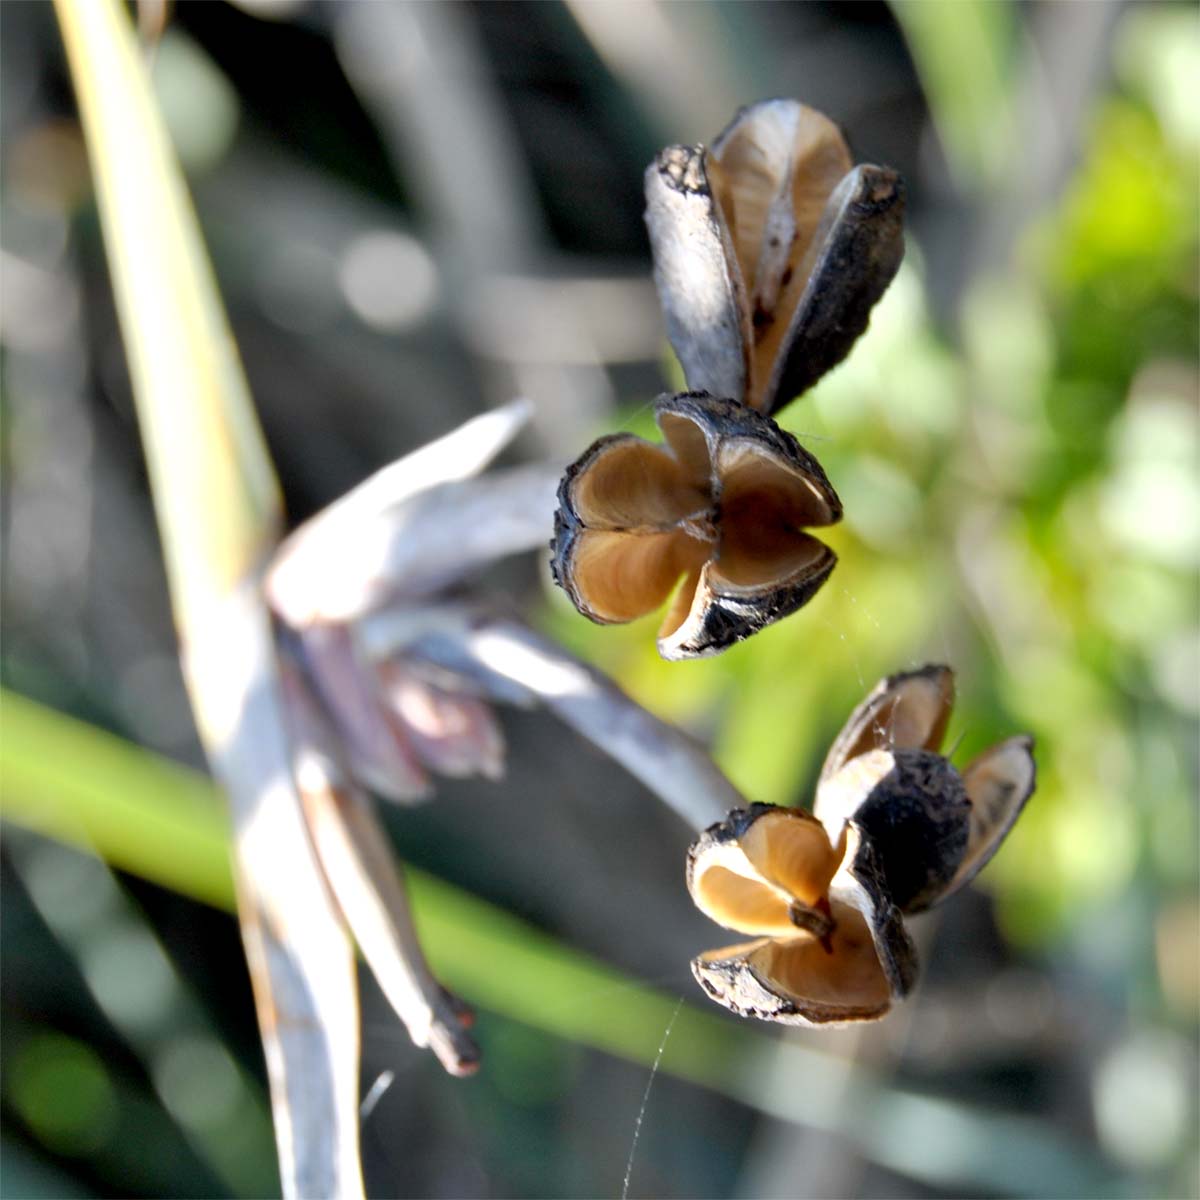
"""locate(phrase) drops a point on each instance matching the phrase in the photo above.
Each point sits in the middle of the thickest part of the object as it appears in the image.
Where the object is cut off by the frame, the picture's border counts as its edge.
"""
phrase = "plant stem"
(514, 664)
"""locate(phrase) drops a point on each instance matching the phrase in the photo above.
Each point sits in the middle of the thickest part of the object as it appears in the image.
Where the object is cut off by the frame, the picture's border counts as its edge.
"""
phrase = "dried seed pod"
(770, 250)
(835, 949)
(909, 711)
(895, 829)
(912, 807)
(764, 870)
(724, 505)
(998, 782)
(933, 828)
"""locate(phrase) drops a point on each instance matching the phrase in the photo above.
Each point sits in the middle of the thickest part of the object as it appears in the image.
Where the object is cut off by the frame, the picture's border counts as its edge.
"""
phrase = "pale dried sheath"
(357, 861)
(359, 864)
(388, 540)
(300, 954)
(219, 515)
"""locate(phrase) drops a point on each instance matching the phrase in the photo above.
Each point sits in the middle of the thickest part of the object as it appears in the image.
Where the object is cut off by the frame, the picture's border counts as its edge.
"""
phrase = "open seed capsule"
(764, 870)
(998, 782)
(723, 505)
(908, 711)
(770, 250)
(832, 947)
(934, 828)
(912, 807)
(895, 829)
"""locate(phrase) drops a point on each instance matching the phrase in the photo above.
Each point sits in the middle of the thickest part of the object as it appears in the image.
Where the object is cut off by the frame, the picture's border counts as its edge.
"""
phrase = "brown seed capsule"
(724, 505)
(895, 829)
(909, 711)
(770, 250)
(934, 829)
(764, 870)
(998, 782)
(912, 806)
(833, 948)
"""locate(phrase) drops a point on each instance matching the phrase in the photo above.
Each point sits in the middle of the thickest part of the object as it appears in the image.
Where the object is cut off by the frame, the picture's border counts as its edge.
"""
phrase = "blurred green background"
(415, 211)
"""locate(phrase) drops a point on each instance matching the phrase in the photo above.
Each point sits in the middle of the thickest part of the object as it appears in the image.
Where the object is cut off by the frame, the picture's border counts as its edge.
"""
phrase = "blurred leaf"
(143, 809)
(198, 103)
(963, 52)
(63, 1091)
(1157, 52)
(1129, 205)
